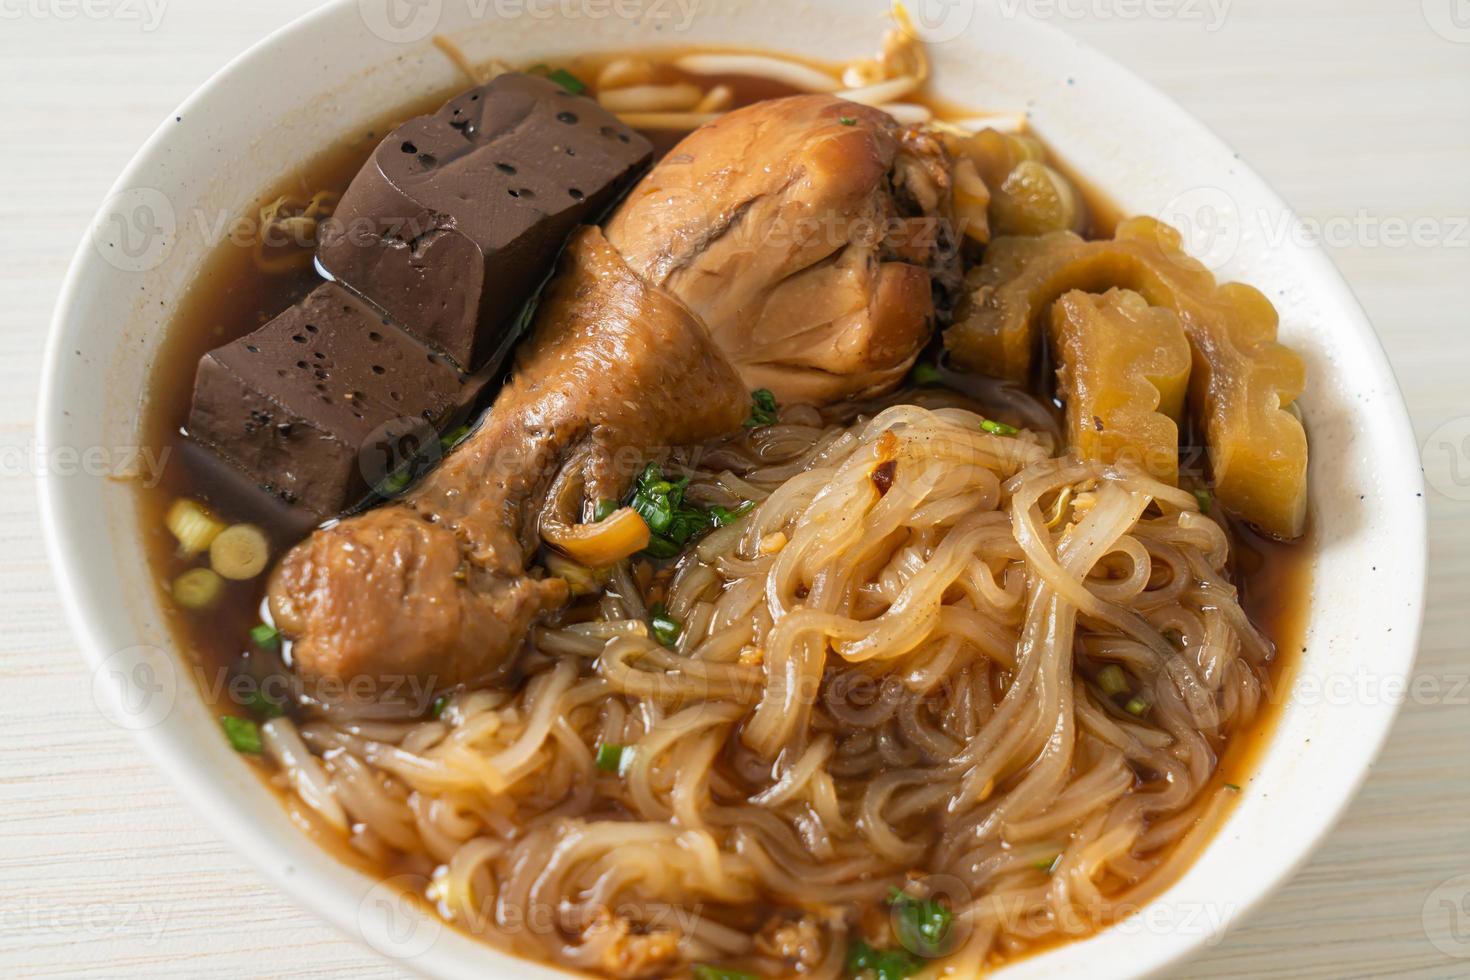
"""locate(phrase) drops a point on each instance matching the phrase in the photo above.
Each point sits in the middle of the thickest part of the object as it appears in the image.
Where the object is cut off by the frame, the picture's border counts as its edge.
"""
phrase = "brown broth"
(231, 297)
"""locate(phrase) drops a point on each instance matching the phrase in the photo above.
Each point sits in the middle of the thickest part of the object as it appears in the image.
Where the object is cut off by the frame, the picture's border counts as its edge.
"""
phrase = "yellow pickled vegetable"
(197, 589)
(1123, 368)
(1243, 382)
(240, 552)
(193, 524)
(602, 543)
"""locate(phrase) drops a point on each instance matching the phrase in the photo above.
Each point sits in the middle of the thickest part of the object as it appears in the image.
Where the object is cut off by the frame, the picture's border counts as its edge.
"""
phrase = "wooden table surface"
(1358, 111)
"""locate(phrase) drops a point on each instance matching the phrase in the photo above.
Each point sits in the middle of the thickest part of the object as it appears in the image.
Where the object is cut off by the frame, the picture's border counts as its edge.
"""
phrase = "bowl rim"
(335, 901)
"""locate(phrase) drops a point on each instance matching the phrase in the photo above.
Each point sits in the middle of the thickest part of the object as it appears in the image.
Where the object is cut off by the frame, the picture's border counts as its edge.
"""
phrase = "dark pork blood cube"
(324, 401)
(456, 219)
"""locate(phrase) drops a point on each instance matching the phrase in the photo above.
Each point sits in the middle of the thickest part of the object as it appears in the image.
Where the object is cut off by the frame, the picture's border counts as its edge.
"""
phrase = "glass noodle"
(887, 675)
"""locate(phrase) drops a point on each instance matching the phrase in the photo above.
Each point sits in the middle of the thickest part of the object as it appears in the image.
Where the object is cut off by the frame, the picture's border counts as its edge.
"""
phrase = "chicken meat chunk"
(813, 236)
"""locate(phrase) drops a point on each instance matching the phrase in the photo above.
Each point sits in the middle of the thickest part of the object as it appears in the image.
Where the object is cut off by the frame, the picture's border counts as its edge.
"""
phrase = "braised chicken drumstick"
(797, 244)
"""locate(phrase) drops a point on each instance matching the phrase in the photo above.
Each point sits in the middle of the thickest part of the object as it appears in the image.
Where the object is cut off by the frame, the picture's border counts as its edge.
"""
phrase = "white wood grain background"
(1357, 110)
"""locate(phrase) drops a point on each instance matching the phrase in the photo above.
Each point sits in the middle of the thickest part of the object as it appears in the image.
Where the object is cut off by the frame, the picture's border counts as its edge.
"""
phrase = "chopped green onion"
(560, 76)
(1047, 864)
(672, 523)
(925, 374)
(244, 734)
(654, 498)
(847, 120)
(763, 409)
(440, 703)
(198, 589)
(258, 702)
(922, 925)
(1232, 787)
(568, 81)
(605, 508)
(193, 524)
(666, 628)
(1203, 496)
(265, 636)
(240, 552)
(661, 548)
(888, 964)
(1136, 706)
(396, 482)
(705, 972)
(998, 428)
(1112, 680)
(721, 516)
(453, 437)
(611, 758)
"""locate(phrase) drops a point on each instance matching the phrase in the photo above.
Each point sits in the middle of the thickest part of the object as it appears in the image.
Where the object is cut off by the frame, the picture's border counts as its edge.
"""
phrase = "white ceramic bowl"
(335, 70)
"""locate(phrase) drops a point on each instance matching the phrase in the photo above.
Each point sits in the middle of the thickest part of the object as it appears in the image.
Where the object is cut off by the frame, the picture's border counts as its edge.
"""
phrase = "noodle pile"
(898, 670)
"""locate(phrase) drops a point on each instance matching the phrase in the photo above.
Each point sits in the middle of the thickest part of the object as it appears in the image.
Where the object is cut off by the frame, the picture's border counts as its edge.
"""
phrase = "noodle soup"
(894, 678)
